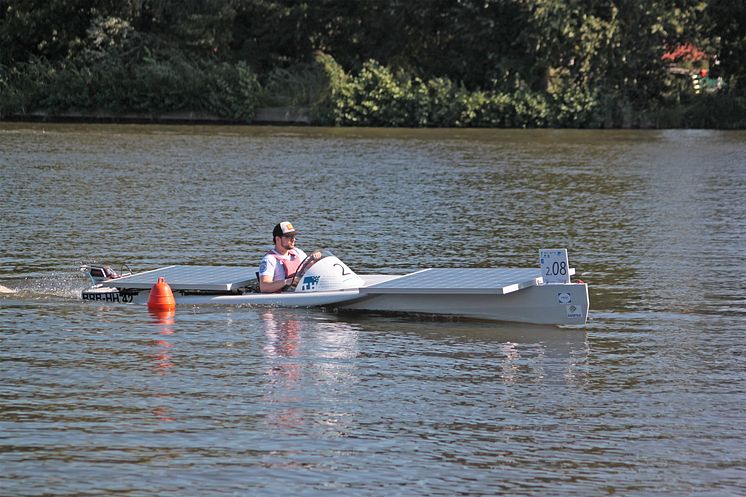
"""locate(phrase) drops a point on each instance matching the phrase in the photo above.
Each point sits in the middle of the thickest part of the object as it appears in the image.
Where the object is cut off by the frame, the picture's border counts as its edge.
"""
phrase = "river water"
(647, 399)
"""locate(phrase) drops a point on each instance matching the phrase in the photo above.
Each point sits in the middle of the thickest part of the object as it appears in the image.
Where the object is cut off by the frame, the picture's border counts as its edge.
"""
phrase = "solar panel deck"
(460, 280)
(206, 278)
(440, 280)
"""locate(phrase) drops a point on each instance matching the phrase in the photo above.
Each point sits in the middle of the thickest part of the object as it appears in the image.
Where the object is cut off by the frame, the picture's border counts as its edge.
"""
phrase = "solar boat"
(540, 295)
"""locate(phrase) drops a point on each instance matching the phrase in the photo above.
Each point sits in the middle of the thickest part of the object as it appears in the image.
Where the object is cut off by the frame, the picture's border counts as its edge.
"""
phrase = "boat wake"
(53, 285)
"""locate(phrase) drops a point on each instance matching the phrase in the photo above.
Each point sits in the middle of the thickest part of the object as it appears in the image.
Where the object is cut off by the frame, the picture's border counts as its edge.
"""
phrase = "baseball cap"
(283, 229)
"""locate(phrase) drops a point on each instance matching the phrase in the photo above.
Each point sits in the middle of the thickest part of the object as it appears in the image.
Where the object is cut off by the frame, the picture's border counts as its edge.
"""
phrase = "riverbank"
(327, 95)
(176, 90)
(263, 115)
(718, 112)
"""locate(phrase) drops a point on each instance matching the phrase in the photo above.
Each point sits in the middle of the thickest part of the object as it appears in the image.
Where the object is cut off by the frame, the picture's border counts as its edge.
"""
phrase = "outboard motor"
(101, 272)
(327, 274)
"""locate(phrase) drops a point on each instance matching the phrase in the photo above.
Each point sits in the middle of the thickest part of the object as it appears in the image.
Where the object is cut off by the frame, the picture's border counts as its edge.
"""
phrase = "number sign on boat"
(554, 265)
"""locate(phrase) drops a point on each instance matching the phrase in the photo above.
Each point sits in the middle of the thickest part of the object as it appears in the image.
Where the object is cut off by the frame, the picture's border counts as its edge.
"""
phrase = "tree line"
(489, 63)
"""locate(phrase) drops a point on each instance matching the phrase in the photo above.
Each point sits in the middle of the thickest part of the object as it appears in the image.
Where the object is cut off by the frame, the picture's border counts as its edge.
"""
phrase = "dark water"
(647, 400)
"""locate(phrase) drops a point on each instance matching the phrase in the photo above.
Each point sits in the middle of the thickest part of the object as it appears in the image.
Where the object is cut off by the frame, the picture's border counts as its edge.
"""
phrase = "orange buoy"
(161, 297)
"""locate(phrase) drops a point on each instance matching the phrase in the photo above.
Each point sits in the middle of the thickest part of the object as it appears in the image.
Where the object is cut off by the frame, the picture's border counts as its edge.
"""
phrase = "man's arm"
(266, 285)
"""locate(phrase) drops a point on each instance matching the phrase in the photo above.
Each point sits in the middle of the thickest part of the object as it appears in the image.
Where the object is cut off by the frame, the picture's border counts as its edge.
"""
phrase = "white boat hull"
(316, 299)
(538, 304)
(560, 304)
(502, 294)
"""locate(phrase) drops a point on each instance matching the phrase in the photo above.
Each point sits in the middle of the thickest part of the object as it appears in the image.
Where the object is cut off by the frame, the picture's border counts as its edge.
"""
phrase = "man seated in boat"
(280, 265)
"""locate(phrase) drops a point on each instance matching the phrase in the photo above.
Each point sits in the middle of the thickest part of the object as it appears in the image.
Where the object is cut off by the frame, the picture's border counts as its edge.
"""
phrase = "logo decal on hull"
(309, 283)
(574, 311)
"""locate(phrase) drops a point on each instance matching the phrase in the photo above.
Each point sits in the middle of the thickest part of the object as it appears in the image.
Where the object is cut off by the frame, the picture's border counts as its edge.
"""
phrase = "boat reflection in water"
(510, 353)
(306, 362)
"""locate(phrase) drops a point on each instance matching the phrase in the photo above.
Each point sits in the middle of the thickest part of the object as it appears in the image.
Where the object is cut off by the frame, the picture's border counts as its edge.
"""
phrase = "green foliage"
(299, 86)
(152, 86)
(725, 21)
(575, 107)
(11, 97)
(376, 96)
(715, 111)
(334, 80)
(516, 63)
(233, 91)
(159, 86)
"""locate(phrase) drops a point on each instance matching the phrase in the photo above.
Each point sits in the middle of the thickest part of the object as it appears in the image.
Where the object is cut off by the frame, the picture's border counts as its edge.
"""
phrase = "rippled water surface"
(648, 399)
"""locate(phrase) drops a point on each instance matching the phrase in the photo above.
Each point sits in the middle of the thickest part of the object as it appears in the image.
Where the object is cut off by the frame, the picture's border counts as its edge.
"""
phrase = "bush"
(67, 88)
(233, 91)
(154, 84)
(716, 111)
(11, 100)
(334, 80)
(574, 107)
(445, 103)
(303, 85)
(156, 87)
(713, 111)
(22, 86)
(376, 96)
(164, 81)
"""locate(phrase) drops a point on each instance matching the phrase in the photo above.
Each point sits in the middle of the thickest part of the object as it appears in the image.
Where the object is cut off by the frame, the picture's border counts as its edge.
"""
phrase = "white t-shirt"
(270, 265)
